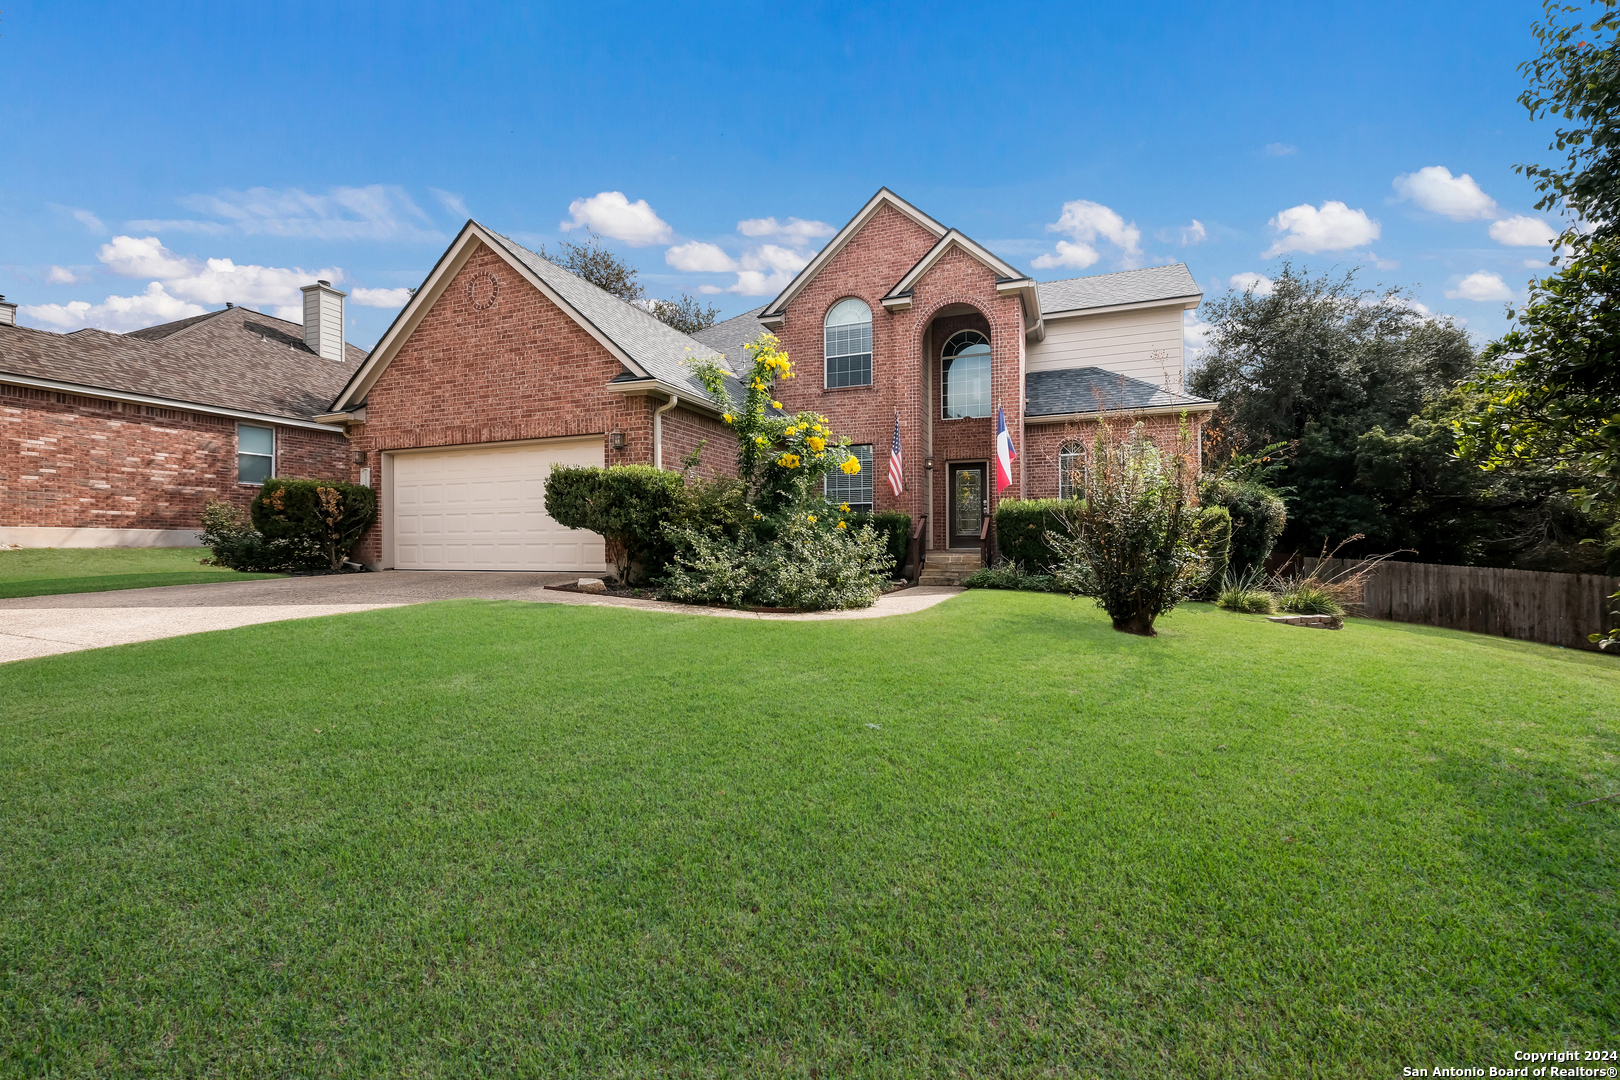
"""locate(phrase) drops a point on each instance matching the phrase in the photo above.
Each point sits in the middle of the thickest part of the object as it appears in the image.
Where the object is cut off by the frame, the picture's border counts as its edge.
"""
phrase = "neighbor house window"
(1071, 470)
(255, 454)
(849, 344)
(855, 490)
(965, 375)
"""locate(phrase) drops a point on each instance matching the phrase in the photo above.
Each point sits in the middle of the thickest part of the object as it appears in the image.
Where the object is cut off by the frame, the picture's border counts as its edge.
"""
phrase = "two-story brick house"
(503, 364)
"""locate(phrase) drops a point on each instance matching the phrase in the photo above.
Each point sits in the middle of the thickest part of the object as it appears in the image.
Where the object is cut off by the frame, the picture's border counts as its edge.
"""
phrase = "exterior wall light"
(616, 440)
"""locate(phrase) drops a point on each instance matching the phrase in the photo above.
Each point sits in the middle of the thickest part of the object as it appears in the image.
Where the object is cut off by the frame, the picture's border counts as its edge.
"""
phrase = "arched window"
(849, 344)
(965, 375)
(1071, 470)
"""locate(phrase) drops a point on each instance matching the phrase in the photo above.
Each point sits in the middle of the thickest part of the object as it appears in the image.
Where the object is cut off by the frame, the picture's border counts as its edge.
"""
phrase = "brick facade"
(1044, 442)
(68, 461)
(518, 369)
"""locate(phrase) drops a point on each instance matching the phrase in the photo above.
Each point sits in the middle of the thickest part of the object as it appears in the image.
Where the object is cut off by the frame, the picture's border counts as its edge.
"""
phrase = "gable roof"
(772, 315)
(1149, 284)
(235, 359)
(1005, 271)
(1090, 390)
(728, 338)
(650, 350)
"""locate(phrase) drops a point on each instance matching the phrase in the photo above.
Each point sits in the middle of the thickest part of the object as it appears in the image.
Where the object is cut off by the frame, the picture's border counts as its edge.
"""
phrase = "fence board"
(1554, 609)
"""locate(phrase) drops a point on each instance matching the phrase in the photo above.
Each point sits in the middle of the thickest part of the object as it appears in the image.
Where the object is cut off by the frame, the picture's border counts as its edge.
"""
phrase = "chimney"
(323, 320)
(8, 313)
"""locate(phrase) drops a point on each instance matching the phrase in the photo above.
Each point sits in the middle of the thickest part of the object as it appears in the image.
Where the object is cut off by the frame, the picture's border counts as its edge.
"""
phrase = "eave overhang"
(87, 390)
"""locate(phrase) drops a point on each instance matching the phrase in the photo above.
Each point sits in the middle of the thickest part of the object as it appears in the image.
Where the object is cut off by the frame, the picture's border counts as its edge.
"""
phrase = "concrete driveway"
(42, 625)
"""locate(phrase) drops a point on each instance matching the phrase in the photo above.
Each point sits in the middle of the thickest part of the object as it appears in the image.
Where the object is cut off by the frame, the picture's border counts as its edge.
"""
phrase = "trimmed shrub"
(1215, 528)
(329, 514)
(1022, 526)
(894, 526)
(627, 505)
(237, 545)
(1009, 575)
(807, 566)
(1258, 517)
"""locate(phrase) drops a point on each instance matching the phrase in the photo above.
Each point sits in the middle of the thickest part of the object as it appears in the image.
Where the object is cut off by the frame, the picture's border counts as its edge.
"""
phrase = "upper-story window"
(849, 344)
(965, 375)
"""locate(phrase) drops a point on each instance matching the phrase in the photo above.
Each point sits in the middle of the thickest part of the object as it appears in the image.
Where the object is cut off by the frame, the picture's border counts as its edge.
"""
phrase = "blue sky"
(158, 160)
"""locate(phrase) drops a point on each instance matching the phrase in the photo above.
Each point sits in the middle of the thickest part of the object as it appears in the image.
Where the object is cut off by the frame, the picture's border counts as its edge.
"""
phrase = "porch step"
(949, 567)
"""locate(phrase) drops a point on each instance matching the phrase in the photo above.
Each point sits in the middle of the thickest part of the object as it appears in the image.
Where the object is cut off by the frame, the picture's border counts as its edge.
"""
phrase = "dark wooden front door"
(969, 504)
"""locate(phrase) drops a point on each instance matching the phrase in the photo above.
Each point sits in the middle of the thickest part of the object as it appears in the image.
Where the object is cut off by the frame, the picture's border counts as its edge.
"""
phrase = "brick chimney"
(323, 320)
(8, 313)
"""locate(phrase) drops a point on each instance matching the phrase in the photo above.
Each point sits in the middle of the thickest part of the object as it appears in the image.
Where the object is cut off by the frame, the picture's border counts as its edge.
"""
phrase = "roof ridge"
(1115, 273)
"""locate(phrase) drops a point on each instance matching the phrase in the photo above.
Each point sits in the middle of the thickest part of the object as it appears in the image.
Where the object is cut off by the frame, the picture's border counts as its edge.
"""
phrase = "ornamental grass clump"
(781, 543)
(1135, 542)
(1244, 593)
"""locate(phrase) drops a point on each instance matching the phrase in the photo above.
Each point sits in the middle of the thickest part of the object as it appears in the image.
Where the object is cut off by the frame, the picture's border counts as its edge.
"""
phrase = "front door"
(969, 504)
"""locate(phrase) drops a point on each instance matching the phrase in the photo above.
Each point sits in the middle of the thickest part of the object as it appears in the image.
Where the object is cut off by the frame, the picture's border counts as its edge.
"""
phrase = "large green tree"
(1318, 362)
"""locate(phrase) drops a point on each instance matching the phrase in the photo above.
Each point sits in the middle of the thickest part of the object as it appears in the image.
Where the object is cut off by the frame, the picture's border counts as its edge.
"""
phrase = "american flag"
(896, 462)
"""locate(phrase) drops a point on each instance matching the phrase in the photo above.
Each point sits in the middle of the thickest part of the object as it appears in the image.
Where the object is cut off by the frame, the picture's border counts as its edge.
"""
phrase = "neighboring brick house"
(503, 364)
(117, 440)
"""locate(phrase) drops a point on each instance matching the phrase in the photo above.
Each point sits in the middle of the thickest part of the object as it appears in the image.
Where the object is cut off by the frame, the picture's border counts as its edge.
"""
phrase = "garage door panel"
(484, 509)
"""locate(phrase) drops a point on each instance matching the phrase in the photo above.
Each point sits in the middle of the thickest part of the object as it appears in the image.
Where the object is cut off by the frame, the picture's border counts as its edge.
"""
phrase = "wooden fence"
(1555, 609)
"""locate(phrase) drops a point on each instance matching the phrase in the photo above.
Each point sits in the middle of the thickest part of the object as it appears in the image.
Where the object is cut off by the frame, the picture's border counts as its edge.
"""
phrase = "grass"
(991, 839)
(45, 571)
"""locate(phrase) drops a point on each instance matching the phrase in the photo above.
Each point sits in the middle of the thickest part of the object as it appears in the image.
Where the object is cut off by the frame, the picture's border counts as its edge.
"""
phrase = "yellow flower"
(817, 443)
(851, 465)
(761, 440)
(811, 518)
(841, 525)
(844, 507)
(728, 418)
(776, 404)
(788, 461)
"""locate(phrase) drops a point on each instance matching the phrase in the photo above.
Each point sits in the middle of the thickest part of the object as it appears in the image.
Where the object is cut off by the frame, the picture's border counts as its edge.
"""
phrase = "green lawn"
(991, 839)
(44, 571)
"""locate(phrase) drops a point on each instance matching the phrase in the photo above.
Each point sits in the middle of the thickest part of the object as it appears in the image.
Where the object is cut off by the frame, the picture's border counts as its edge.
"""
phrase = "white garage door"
(485, 509)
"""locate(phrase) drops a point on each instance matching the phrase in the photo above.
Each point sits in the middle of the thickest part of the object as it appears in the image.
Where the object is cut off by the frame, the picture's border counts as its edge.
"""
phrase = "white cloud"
(1194, 233)
(614, 216)
(1085, 222)
(62, 275)
(373, 212)
(772, 257)
(1280, 149)
(710, 290)
(1077, 256)
(383, 298)
(1383, 264)
(1334, 227)
(83, 217)
(1481, 285)
(795, 230)
(1409, 304)
(116, 313)
(1522, 231)
(145, 257)
(1194, 334)
(1433, 188)
(180, 225)
(1249, 281)
(698, 257)
(1535, 264)
(451, 202)
(757, 283)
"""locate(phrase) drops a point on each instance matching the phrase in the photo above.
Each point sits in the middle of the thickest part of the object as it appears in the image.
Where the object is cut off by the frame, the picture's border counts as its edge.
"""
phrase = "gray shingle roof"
(1125, 287)
(1095, 389)
(233, 359)
(659, 349)
(729, 337)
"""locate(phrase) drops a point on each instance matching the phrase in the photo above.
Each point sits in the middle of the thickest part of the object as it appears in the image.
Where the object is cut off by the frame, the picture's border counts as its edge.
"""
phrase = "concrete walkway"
(42, 625)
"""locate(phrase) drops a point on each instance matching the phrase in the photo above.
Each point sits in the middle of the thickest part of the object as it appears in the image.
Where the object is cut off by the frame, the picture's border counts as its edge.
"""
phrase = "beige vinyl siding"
(1143, 344)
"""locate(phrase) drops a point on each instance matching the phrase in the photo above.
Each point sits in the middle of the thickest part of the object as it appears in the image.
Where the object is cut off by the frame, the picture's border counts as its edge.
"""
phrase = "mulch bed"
(649, 594)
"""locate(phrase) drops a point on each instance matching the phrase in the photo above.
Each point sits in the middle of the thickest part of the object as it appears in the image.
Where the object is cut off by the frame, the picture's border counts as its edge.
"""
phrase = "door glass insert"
(967, 501)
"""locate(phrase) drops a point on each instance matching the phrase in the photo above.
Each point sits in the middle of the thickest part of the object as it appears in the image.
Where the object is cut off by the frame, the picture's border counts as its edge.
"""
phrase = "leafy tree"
(597, 265)
(1317, 363)
(686, 314)
(1577, 77)
(592, 261)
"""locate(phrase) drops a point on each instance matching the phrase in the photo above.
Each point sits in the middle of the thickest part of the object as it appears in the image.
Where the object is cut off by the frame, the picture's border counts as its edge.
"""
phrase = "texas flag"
(1006, 453)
